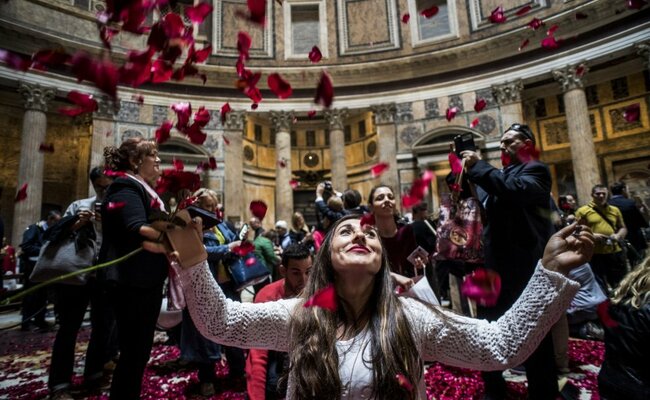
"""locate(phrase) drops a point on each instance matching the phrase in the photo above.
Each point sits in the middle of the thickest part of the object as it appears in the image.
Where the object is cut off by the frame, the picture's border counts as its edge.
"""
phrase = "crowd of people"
(382, 332)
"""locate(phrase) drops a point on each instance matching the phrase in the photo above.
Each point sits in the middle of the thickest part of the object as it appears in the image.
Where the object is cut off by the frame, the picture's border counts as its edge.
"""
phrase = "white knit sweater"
(451, 339)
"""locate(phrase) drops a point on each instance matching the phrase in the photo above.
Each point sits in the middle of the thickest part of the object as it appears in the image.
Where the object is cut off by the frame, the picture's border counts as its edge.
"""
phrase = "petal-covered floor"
(24, 360)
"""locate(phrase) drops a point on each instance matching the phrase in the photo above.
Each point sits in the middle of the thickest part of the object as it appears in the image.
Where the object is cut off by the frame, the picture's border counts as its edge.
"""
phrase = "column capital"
(571, 76)
(384, 113)
(36, 96)
(282, 120)
(107, 108)
(335, 117)
(235, 120)
(643, 51)
(508, 93)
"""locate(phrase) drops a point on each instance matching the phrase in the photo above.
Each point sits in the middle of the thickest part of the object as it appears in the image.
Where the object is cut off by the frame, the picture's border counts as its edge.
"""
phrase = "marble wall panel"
(226, 21)
(407, 134)
(354, 19)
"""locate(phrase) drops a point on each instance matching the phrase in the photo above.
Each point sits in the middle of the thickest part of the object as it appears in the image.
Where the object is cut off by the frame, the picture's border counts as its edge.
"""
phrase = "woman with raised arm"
(374, 344)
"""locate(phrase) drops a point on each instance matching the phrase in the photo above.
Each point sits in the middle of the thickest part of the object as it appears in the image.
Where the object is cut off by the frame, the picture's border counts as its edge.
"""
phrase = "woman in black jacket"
(137, 283)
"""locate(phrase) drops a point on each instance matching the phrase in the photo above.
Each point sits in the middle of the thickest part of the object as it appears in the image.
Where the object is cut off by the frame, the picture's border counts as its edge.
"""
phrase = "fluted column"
(335, 119)
(583, 151)
(508, 96)
(234, 168)
(282, 121)
(30, 170)
(387, 144)
(643, 50)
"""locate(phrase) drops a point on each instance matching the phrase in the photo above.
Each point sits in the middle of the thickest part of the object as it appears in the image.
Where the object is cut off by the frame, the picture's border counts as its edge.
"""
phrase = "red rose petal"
(455, 163)
(604, 315)
(161, 70)
(162, 133)
(243, 249)
(15, 61)
(183, 112)
(482, 286)
(429, 12)
(324, 91)
(324, 298)
(536, 23)
(311, 114)
(632, 113)
(257, 10)
(636, 4)
(367, 219)
(258, 208)
(113, 174)
(137, 70)
(225, 109)
(497, 16)
(244, 42)
(195, 134)
(550, 43)
(279, 86)
(21, 194)
(202, 117)
(552, 30)
(115, 205)
(404, 382)
(51, 58)
(479, 105)
(474, 123)
(226, 141)
(405, 18)
(419, 188)
(523, 10)
(254, 106)
(178, 164)
(198, 13)
(451, 113)
(315, 54)
(46, 148)
(524, 44)
(294, 183)
(282, 163)
(379, 169)
(85, 104)
(174, 181)
(250, 261)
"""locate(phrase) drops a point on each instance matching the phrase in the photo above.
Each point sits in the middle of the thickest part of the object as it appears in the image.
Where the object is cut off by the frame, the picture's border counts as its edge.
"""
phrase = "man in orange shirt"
(265, 367)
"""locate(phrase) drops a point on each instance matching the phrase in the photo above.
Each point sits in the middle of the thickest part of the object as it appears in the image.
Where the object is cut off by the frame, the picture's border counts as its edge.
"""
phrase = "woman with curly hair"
(374, 344)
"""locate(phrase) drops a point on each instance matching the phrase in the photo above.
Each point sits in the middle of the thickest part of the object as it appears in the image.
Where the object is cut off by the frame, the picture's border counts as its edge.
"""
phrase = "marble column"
(583, 151)
(335, 119)
(508, 96)
(30, 170)
(384, 115)
(84, 123)
(643, 50)
(282, 121)
(234, 166)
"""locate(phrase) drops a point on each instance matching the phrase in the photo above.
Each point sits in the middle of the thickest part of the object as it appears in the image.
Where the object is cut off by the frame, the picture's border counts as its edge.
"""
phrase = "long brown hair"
(314, 364)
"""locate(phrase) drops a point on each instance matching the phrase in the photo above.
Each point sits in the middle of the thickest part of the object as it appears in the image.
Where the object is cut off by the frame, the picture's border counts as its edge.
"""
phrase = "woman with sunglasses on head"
(374, 344)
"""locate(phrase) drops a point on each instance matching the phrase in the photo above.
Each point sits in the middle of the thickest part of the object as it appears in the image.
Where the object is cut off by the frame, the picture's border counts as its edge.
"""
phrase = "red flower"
(85, 104)
(379, 169)
(115, 205)
(324, 298)
(636, 4)
(524, 44)
(162, 133)
(198, 13)
(451, 113)
(404, 382)
(497, 16)
(455, 163)
(174, 181)
(632, 113)
(21, 194)
(482, 286)
(474, 123)
(258, 208)
(279, 86)
(523, 10)
(604, 315)
(225, 109)
(536, 23)
(15, 61)
(429, 12)
(243, 45)
(479, 105)
(405, 18)
(324, 91)
(315, 55)
(46, 148)
(244, 248)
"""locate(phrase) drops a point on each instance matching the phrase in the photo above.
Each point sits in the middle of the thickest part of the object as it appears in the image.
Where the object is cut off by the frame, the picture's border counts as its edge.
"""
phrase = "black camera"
(464, 142)
(327, 185)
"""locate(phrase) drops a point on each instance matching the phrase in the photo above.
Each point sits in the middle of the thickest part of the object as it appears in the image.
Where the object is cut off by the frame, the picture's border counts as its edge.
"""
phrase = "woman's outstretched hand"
(154, 236)
(570, 247)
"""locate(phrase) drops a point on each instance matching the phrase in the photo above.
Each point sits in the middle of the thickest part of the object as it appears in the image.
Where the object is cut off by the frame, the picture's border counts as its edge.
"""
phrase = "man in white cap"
(283, 234)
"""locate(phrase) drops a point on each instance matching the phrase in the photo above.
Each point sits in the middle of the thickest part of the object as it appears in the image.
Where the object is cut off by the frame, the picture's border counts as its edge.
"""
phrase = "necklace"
(347, 388)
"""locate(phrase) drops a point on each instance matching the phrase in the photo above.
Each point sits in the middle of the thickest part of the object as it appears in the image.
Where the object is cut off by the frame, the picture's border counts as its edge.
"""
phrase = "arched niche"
(181, 149)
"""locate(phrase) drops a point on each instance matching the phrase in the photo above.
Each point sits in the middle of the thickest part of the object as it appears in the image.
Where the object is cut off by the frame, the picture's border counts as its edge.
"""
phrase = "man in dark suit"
(633, 219)
(517, 202)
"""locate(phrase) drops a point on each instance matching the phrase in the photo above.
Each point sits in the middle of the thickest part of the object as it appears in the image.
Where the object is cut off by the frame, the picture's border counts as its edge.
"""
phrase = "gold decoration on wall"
(616, 124)
(555, 131)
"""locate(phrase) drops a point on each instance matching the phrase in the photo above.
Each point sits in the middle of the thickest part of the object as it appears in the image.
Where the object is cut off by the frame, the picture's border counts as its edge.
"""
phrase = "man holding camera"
(517, 203)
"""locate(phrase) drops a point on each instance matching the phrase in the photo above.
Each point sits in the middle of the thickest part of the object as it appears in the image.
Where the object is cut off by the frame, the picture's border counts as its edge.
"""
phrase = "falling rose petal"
(202, 117)
(474, 123)
(455, 163)
(244, 42)
(258, 208)
(497, 16)
(254, 94)
(636, 4)
(183, 112)
(161, 71)
(552, 29)
(294, 184)
(250, 261)
(257, 9)
(482, 286)
(51, 58)
(174, 181)
(550, 43)
(580, 15)
(115, 205)
(21, 194)
(178, 164)
(451, 113)
(324, 91)
(379, 169)
(46, 148)
(404, 382)
(524, 44)
(455, 187)
(536, 23)
(113, 174)
(405, 18)
(523, 10)
(138, 98)
(84, 102)
(324, 298)
(632, 113)
(195, 134)
(244, 249)
(226, 141)
(279, 86)
(528, 153)
(162, 133)
(15, 61)
(429, 12)
(212, 163)
(479, 105)
(198, 13)
(367, 219)
(311, 114)
(604, 315)
(282, 163)
(225, 109)
(254, 106)
(315, 55)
